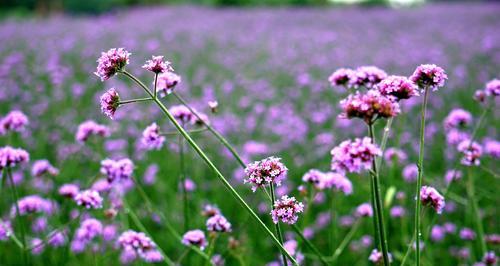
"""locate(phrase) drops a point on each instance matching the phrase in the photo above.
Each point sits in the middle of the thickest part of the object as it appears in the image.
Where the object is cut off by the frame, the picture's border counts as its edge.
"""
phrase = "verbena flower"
(151, 137)
(213, 106)
(15, 121)
(429, 196)
(5, 230)
(89, 229)
(111, 62)
(457, 118)
(210, 210)
(490, 258)
(492, 148)
(392, 155)
(471, 152)
(480, 96)
(286, 209)
(195, 238)
(368, 106)
(166, 82)
(377, 258)
(10, 157)
(157, 65)
(264, 172)
(452, 175)
(367, 76)
(493, 88)
(332, 180)
(467, 234)
(90, 199)
(341, 77)
(33, 204)
(364, 210)
(41, 167)
(69, 190)
(313, 177)
(429, 75)
(354, 155)
(140, 244)
(455, 136)
(56, 239)
(90, 128)
(437, 233)
(218, 223)
(398, 88)
(117, 170)
(110, 101)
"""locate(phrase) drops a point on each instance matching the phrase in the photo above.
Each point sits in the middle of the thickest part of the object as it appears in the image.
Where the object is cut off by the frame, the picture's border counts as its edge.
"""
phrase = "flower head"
(341, 77)
(457, 118)
(490, 258)
(264, 172)
(69, 190)
(368, 106)
(377, 258)
(430, 76)
(117, 170)
(10, 157)
(91, 128)
(467, 234)
(398, 87)
(166, 83)
(286, 209)
(471, 152)
(111, 62)
(392, 155)
(430, 196)
(90, 199)
(195, 238)
(493, 88)
(313, 177)
(332, 180)
(33, 204)
(42, 167)
(151, 137)
(110, 101)
(140, 244)
(218, 223)
(364, 210)
(354, 156)
(14, 121)
(157, 65)
(5, 230)
(492, 148)
(367, 76)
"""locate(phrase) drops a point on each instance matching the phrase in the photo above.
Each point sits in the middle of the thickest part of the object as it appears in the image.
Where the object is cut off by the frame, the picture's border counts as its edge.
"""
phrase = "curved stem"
(135, 100)
(420, 166)
(385, 137)
(19, 219)
(183, 184)
(309, 244)
(378, 203)
(173, 133)
(211, 247)
(210, 164)
(277, 225)
(346, 240)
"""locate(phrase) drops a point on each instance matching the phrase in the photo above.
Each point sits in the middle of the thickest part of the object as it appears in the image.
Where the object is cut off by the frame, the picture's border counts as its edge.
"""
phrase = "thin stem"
(277, 225)
(135, 101)
(309, 244)
(378, 204)
(420, 176)
(155, 85)
(346, 240)
(173, 133)
(211, 247)
(210, 164)
(183, 183)
(385, 137)
(472, 198)
(19, 219)
(376, 232)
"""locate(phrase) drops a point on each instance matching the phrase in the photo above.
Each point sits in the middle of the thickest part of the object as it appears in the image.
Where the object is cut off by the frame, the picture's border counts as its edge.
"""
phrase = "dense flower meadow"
(193, 136)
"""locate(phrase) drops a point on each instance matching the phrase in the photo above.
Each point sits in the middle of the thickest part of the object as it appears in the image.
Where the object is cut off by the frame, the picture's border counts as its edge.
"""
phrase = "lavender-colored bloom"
(151, 137)
(157, 65)
(452, 175)
(430, 76)
(450, 228)
(455, 136)
(395, 155)
(490, 258)
(149, 176)
(480, 96)
(5, 230)
(364, 210)
(336, 181)
(376, 257)
(286, 209)
(437, 233)
(90, 199)
(430, 196)
(14, 121)
(166, 83)
(471, 152)
(69, 190)
(493, 239)
(91, 128)
(111, 62)
(33, 204)
(313, 177)
(42, 167)
(291, 246)
(368, 106)
(141, 244)
(10, 157)
(264, 172)
(210, 210)
(398, 88)
(341, 77)
(367, 76)
(457, 118)
(493, 88)
(109, 232)
(467, 234)
(57, 239)
(354, 156)
(397, 211)
(492, 148)
(218, 223)
(38, 246)
(128, 255)
(410, 173)
(39, 224)
(89, 229)
(195, 238)
(110, 101)
(217, 260)
(213, 106)
(117, 170)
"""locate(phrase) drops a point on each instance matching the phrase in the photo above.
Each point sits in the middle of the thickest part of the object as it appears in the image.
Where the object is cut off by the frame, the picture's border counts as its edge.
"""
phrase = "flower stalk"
(19, 219)
(277, 225)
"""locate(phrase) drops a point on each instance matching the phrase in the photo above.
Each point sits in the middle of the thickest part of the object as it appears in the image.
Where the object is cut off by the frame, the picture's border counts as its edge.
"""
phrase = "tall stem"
(420, 166)
(472, 198)
(135, 100)
(155, 95)
(183, 183)
(309, 244)
(210, 164)
(19, 219)
(346, 240)
(277, 225)
(378, 203)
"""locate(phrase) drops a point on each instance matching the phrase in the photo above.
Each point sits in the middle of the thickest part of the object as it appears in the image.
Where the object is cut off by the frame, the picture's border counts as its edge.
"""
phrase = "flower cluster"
(91, 128)
(184, 116)
(41, 167)
(332, 180)
(10, 157)
(135, 244)
(367, 76)
(33, 204)
(157, 65)
(377, 258)
(354, 156)
(111, 62)
(397, 88)
(429, 75)
(341, 77)
(493, 88)
(395, 155)
(14, 121)
(364, 210)
(110, 101)
(368, 106)
(89, 229)
(218, 223)
(286, 209)
(69, 190)
(5, 230)
(264, 172)
(117, 170)
(471, 152)
(492, 148)
(314, 177)
(457, 118)
(195, 238)
(151, 137)
(430, 196)
(90, 199)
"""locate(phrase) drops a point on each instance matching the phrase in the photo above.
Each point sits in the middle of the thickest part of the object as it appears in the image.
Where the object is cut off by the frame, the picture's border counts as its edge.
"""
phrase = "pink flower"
(91, 128)
(457, 118)
(341, 77)
(213, 106)
(493, 88)
(430, 196)
(218, 223)
(151, 137)
(364, 210)
(471, 152)
(265, 172)
(368, 106)
(69, 190)
(157, 65)
(398, 87)
(111, 62)
(430, 76)
(139, 244)
(117, 170)
(42, 167)
(166, 83)
(195, 238)
(286, 209)
(10, 157)
(336, 181)
(14, 121)
(354, 156)
(367, 76)
(110, 101)
(90, 199)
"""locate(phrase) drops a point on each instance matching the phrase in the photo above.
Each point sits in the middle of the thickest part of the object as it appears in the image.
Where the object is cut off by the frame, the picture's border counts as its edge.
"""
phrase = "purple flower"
(467, 234)
(117, 170)
(157, 65)
(264, 172)
(480, 96)
(141, 244)
(111, 62)
(88, 230)
(90, 199)
(69, 190)
(337, 181)
(354, 156)
(395, 155)
(364, 210)
(471, 152)
(210, 210)
(33, 204)
(341, 77)
(367, 76)
(398, 87)
(14, 121)
(41, 167)
(91, 128)
(492, 148)
(57, 239)
(5, 230)
(493, 88)
(10, 157)
(410, 173)
(38, 246)
(286, 209)
(166, 83)
(397, 211)
(490, 258)
(368, 106)
(457, 118)
(455, 136)
(452, 175)
(430, 76)
(430, 196)
(151, 137)
(110, 101)
(313, 177)
(377, 258)
(149, 176)
(218, 223)
(195, 238)
(438, 233)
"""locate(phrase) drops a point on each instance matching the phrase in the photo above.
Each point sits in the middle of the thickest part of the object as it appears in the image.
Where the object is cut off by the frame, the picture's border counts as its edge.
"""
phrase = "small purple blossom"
(33, 204)
(69, 190)
(492, 148)
(377, 258)
(437, 233)
(140, 244)
(41, 167)
(364, 210)
(14, 121)
(397, 211)
(10, 157)
(430, 76)
(430, 196)
(157, 65)
(410, 173)
(457, 118)
(286, 209)
(117, 170)
(467, 234)
(471, 152)
(151, 137)
(354, 156)
(264, 172)
(166, 83)
(493, 88)
(367, 76)
(218, 223)
(340, 182)
(90, 199)
(91, 128)
(341, 77)
(195, 238)
(398, 87)
(110, 101)
(368, 106)
(395, 155)
(111, 62)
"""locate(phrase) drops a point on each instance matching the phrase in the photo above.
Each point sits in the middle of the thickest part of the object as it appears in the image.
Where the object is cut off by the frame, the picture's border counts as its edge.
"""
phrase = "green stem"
(472, 198)
(183, 183)
(155, 85)
(135, 100)
(420, 166)
(346, 241)
(19, 219)
(173, 133)
(211, 247)
(378, 203)
(210, 164)
(385, 137)
(376, 232)
(309, 244)
(277, 225)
